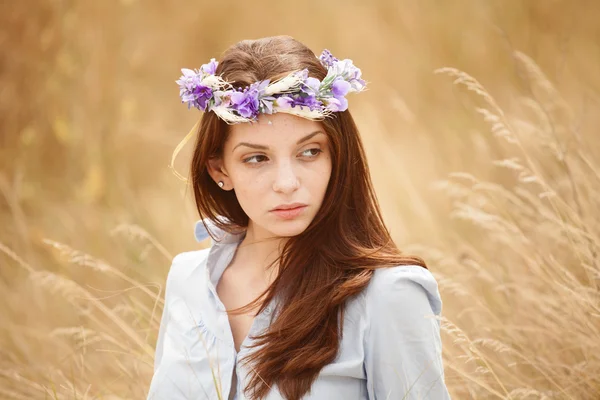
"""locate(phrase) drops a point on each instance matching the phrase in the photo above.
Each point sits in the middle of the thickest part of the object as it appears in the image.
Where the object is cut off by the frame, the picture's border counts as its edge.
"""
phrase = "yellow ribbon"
(178, 149)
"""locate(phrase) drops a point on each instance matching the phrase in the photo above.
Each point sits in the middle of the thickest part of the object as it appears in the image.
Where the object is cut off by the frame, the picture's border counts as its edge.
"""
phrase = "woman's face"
(270, 165)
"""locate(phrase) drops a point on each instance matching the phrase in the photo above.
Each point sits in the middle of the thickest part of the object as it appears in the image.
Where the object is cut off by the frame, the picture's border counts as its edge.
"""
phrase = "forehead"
(283, 128)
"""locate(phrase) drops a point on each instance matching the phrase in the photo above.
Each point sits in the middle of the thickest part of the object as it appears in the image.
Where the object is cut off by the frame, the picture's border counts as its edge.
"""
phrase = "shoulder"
(185, 265)
(403, 286)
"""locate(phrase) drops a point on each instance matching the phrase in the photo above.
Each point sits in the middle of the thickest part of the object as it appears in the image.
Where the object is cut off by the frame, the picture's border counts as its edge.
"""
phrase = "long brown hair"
(324, 266)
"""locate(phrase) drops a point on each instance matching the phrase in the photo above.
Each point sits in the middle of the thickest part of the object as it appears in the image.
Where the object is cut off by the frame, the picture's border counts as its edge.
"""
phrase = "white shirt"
(390, 349)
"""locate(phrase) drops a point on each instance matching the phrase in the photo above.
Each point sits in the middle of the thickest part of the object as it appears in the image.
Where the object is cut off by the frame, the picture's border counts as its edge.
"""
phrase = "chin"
(288, 228)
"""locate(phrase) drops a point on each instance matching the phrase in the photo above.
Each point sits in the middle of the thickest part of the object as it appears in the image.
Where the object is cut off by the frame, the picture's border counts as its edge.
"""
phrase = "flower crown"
(297, 93)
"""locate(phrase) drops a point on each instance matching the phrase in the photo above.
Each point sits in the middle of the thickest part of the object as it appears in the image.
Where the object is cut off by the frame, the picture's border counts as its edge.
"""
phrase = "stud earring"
(220, 184)
(270, 123)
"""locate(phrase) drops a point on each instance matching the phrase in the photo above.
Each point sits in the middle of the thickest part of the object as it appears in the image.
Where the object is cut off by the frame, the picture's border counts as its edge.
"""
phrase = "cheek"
(248, 184)
(327, 165)
(320, 175)
(250, 197)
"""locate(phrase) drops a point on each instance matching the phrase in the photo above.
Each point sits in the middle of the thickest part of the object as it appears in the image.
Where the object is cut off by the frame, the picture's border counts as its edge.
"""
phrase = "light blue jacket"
(390, 349)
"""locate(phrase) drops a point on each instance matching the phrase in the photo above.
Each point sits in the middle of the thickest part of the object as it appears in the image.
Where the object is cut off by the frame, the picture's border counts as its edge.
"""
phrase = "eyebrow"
(262, 147)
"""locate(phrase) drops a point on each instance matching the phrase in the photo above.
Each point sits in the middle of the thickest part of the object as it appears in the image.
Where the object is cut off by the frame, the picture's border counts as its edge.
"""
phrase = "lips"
(288, 206)
(289, 213)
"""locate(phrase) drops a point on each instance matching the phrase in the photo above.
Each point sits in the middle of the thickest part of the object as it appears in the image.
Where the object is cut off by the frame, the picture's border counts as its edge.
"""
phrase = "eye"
(248, 159)
(315, 150)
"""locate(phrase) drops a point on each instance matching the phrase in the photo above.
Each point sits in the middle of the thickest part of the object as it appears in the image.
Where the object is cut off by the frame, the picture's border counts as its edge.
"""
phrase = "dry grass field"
(481, 127)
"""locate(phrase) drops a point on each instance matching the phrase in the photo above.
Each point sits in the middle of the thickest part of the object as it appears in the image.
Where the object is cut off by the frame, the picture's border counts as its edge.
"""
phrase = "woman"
(303, 293)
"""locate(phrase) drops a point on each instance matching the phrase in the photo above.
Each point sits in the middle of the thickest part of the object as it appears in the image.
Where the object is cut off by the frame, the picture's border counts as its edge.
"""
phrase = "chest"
(235, 291)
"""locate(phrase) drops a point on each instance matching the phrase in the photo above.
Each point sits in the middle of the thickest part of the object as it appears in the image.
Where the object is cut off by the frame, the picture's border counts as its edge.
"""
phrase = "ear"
(216, 169)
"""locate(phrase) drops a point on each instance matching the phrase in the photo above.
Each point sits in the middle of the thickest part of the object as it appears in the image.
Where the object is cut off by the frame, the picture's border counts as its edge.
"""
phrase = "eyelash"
(246, 160)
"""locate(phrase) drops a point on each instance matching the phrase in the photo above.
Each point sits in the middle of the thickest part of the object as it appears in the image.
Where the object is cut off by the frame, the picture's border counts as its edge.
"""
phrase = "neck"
(259, 248)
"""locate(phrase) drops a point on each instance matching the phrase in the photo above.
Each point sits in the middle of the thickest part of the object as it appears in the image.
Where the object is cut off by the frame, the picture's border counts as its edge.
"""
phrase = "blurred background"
(481, 128)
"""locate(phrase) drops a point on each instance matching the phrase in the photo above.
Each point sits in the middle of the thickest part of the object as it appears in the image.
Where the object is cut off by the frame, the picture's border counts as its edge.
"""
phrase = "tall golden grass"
(481, 130)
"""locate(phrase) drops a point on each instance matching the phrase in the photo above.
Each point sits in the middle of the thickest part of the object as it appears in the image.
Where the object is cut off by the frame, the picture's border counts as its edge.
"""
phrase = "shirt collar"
(222, 249)
(221, 253)
(201, 232)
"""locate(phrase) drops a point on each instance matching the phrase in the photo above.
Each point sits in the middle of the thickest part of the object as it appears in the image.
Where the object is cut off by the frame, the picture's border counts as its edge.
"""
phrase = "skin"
(285, 172)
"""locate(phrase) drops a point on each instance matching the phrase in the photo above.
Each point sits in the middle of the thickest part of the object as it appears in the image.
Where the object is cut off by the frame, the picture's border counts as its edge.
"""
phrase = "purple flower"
(301, 100)
(266, 104)
(350, 73)
(340, 87)
(192, 91)
(308, 95)
(357, 84)
(223, 98)
(302, 74)
(337, 104)
(201, 95)
(260, 86)
(312, 84)
(188, 81)
(309, 101)
(284, 102)
(247, 102)
(210, 68)
(327, 59)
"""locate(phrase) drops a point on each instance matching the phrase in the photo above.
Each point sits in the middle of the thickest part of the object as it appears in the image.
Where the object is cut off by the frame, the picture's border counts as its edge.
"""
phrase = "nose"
(286, 179)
